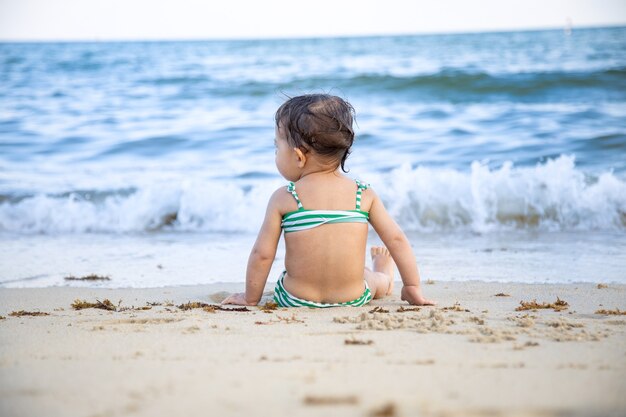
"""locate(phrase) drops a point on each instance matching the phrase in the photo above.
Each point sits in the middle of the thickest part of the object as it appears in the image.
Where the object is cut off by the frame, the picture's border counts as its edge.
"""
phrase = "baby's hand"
(413, 294)
(239, 299)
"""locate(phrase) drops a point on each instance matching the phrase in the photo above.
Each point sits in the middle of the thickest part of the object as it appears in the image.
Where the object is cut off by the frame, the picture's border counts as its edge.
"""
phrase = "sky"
(250, 19)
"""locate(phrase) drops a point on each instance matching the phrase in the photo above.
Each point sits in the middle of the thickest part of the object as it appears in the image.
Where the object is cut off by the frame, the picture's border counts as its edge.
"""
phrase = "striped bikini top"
(303, 219)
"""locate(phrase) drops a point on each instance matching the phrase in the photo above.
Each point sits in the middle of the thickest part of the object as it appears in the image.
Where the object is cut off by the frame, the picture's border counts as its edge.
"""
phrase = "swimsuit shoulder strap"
(360, 187)
(291, 187)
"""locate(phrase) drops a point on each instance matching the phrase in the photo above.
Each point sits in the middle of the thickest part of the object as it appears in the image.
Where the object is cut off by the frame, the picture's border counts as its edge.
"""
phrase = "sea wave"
(555, 195)
(448, 84)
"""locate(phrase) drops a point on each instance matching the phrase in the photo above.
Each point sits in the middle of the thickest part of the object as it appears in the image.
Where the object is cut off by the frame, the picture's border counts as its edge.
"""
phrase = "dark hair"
(321, 122)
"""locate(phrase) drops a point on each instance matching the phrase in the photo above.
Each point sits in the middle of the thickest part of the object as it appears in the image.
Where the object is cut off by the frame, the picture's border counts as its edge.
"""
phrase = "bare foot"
(383, 262)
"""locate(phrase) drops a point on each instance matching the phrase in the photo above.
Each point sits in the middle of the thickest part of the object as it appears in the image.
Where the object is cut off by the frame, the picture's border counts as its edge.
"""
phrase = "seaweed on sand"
(616, 312)
(133, 308)
(268, 307)
(90, 277)
(209, 307)
(27, 313)
(190, 305)
(558, 305)
(354, 341)
(106, 304)
(330, 400)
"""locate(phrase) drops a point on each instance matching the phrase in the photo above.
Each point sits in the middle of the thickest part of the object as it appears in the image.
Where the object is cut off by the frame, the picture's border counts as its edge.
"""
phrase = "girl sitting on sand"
(325, 218)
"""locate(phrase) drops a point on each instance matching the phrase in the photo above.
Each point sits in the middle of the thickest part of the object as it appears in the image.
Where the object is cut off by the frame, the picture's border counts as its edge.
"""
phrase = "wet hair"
(321, 122)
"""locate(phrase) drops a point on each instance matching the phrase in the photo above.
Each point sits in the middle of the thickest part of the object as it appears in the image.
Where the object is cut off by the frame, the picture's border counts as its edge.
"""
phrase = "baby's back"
(325, 256)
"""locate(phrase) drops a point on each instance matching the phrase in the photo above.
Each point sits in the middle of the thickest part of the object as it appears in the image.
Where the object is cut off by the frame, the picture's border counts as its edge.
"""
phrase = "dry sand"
(472, 355)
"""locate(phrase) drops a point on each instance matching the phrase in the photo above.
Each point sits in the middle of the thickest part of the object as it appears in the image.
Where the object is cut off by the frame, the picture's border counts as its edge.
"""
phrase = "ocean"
(501, 155)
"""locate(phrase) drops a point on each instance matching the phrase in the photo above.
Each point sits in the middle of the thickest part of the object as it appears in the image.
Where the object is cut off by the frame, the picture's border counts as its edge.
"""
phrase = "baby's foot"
(383, 262)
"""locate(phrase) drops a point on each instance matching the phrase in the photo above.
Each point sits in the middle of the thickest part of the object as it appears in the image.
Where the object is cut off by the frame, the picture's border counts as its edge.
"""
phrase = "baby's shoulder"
(282, 198)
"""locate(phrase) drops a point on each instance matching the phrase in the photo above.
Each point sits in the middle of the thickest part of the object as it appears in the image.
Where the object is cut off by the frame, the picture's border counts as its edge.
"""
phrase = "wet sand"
(472, 355)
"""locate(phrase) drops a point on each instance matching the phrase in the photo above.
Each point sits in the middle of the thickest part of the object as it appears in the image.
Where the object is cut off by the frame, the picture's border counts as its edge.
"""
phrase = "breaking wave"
(555, 195)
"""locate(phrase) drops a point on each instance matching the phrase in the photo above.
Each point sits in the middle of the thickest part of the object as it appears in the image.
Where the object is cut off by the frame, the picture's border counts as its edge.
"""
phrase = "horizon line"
(311, 37)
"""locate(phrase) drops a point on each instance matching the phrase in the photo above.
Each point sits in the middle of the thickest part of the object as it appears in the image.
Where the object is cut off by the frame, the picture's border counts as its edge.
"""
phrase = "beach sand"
(472, 355)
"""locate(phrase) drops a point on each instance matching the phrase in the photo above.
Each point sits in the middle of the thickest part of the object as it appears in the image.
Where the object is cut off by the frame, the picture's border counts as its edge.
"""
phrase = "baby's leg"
(380, 280)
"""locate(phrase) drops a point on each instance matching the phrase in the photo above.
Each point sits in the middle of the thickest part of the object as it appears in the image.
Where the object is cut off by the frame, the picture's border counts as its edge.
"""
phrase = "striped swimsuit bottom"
(303, 219)
(284, 299)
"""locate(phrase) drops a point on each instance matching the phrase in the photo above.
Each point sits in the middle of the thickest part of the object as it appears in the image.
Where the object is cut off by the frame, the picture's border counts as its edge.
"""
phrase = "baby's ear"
(301, 157)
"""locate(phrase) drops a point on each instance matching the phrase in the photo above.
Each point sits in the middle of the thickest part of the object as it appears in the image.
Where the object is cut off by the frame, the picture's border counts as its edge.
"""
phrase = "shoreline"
(79, 284)
(219, 286)
(167, 259)
(471, 355)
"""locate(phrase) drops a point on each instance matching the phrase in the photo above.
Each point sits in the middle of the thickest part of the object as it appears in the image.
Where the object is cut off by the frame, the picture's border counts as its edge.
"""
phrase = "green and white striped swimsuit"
(303, 219)
(284, 299)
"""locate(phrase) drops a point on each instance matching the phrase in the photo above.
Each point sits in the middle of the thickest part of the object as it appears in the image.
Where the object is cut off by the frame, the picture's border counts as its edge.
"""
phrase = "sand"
(472, 355)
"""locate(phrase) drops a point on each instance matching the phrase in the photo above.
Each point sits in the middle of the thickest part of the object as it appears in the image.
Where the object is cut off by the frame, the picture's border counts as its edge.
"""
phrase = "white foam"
(551, 196)
(554, 195)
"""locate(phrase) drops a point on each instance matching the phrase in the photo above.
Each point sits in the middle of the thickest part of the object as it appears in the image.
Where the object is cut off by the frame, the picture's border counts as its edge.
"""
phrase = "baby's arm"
(396, 241)
(261, 256)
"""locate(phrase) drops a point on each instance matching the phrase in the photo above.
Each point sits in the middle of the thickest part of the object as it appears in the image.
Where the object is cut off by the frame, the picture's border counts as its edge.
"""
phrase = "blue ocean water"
(479, 132)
